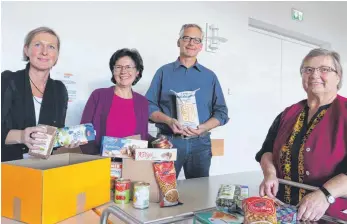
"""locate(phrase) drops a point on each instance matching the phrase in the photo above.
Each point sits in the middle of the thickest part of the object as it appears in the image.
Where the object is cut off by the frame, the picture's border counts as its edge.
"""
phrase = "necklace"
(37, 100)
(36, 86)
(37, 90)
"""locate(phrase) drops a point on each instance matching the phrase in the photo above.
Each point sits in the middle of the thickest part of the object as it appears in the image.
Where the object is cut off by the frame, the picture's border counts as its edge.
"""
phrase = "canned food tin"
(122, 193)
(116, 169)
(113, 180)
(141, 195)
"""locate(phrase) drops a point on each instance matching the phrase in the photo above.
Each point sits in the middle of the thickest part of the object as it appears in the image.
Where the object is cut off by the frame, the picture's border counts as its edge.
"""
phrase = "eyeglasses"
(321, 70)
(188, 39)
(126, 68)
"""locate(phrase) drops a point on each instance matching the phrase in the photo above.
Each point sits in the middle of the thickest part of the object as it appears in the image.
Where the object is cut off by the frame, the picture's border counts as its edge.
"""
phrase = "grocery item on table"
(122, 192)
(229, 198)
(259, 210)
(82, 133)
(116, 169)
(162, 142)
(120, 147)
(113, 188)
(218, 217)
(157, 154)
(141, 195)
(45, 150)
(165, 175)
(187, 111)
(286, 214)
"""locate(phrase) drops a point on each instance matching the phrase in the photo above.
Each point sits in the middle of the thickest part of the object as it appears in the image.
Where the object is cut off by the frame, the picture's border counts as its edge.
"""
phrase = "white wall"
(92, 31)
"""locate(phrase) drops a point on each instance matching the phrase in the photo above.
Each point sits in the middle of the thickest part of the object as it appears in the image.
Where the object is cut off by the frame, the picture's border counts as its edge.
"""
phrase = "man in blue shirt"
(186, 74)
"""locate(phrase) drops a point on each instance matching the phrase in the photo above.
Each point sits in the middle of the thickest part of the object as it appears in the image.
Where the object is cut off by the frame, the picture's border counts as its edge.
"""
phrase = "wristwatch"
(329, 197)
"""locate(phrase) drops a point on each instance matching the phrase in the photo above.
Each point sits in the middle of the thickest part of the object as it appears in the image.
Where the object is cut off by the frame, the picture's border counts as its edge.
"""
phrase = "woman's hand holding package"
(313, 206)
(269, 186)
(33, 136)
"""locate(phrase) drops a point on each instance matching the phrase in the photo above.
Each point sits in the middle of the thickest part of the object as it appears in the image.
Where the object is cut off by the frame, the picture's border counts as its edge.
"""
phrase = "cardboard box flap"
(55, 161)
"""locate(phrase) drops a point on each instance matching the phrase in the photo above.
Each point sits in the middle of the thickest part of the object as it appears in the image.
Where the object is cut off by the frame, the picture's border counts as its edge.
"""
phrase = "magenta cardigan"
(97, 110)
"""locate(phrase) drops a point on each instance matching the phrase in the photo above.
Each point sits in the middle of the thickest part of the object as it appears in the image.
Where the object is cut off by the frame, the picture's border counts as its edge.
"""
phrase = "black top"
(18, 111)
(270, 139)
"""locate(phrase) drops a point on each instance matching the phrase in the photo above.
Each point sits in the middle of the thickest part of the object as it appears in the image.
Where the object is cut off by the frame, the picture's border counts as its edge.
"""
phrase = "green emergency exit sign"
(297, 15)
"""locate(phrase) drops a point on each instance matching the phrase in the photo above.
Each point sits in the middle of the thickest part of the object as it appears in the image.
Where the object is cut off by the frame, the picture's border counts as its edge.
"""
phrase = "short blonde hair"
(30, 36)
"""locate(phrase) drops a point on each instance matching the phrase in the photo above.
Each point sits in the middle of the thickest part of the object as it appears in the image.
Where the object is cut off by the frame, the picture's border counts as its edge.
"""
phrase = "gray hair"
(323, 52)
(30, 36)
(189, 25)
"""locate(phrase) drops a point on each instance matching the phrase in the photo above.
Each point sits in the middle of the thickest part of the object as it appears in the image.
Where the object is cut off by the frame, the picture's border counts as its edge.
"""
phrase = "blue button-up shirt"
(175, 76)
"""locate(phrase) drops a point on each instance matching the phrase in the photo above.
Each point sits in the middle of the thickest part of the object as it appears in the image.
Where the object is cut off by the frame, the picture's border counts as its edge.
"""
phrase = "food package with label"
(162, 142)
(286, 214)
(156, 154)
(229, 198)
(165, 175)
(259, 210)
(218, 217)
(45, 150)
(121, 147)
(82, 133)
(187, 111)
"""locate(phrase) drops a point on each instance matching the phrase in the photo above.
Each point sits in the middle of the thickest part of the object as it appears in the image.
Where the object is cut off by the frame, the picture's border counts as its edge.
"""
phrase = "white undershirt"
(37, 104)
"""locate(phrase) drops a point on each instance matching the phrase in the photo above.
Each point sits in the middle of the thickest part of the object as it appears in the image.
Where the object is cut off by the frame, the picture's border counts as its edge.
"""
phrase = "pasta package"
(45, 150)
(259, 210)
(187, 111)
(82, 133)
(165, 175)
(230, 197)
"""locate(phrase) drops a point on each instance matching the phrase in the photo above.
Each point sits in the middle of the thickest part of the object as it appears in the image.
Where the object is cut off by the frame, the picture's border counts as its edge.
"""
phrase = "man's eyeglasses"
(321, 70)
(126, 68)
(188, 39)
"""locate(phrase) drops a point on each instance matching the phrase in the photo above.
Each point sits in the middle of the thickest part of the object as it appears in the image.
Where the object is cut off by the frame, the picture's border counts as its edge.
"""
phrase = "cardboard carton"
(48, 191)
(142, 171)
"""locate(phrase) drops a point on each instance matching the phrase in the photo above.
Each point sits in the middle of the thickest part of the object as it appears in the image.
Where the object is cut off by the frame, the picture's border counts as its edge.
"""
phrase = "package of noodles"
(187, 111)
(259, 210)
(165, 175)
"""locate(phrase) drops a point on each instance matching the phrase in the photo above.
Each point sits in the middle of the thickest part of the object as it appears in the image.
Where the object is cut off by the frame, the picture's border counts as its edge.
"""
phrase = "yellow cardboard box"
(39, 191)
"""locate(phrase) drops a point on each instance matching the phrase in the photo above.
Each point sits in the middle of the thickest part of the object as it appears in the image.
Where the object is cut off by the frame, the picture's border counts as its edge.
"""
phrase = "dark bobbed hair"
(134, 55)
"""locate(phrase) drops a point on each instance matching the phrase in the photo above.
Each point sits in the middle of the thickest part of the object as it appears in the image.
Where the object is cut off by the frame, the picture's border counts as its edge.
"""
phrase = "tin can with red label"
(116, 169)
(122, 193)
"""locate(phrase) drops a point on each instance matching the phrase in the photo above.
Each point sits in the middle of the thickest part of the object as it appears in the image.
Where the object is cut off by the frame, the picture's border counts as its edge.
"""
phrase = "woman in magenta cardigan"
(307, 143)
(118, 111)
